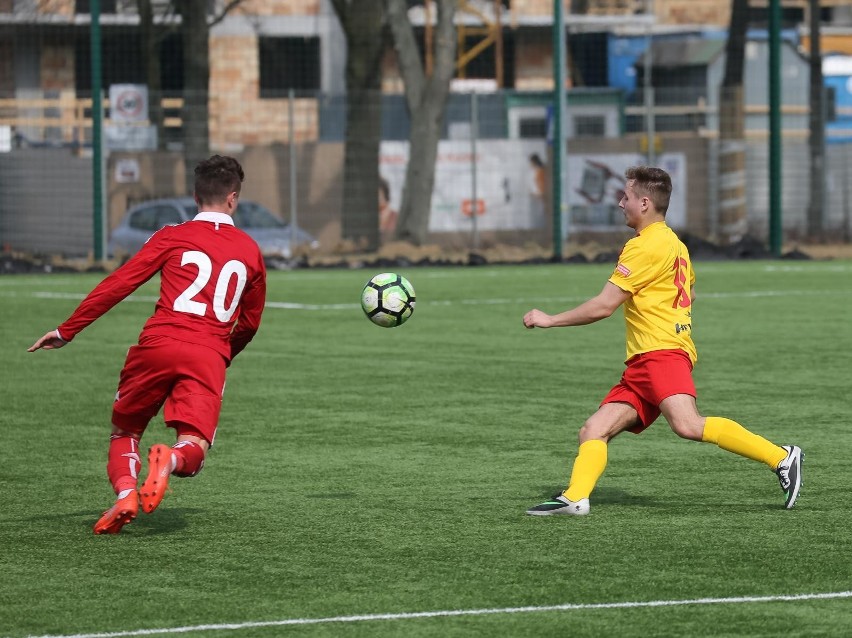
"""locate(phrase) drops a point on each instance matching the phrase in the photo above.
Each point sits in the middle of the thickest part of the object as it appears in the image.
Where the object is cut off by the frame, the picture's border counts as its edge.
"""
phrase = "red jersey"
(212, 285)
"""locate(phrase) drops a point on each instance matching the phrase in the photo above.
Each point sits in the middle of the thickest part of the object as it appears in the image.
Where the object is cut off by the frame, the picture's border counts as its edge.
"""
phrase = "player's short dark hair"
(216, 178)
(652, 182)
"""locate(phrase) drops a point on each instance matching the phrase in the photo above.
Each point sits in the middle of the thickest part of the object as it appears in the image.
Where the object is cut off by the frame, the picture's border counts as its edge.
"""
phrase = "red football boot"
(159, 468)
(119, 515)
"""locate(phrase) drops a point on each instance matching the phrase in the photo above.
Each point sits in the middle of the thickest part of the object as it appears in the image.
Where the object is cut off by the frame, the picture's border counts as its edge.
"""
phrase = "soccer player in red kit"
(212, 294)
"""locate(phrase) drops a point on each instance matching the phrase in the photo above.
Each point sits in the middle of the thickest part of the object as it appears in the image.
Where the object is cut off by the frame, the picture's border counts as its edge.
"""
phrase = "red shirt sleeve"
(117, 286)
(253, 302)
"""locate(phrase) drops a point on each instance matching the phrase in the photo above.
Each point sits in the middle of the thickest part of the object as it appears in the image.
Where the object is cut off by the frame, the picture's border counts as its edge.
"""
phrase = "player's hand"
(50, 341)
(537, 319)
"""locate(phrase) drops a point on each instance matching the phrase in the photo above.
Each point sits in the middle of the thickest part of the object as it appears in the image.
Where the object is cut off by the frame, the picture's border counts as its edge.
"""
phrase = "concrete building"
(262, 49)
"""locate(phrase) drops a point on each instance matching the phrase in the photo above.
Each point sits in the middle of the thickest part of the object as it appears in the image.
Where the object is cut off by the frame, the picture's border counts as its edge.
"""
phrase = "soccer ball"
(388, 299)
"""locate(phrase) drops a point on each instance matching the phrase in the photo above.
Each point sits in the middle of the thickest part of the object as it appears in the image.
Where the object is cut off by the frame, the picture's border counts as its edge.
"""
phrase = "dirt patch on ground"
(403, 255)
(400, 254)
(827, 251)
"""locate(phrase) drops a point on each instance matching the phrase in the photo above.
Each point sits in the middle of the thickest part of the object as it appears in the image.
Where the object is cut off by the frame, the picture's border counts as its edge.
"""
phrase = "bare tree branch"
(408, 55)
(233, 4)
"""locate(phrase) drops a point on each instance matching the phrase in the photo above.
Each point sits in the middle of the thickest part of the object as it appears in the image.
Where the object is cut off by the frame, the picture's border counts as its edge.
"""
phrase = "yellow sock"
(588, 467)
(731, 436)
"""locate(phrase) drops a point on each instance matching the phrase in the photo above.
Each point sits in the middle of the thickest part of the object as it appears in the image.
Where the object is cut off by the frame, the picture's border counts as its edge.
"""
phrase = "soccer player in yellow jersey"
(655, 283)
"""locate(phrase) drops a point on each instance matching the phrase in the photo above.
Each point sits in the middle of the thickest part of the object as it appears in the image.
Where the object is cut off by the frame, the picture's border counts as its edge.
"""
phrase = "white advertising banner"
(5, 139)
(506, 188)
(510, 182)
(595, 184)
(130, 138)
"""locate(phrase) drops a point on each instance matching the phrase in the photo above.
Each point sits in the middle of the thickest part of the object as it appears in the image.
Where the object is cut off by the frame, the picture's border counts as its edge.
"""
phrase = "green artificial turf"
(366, 471)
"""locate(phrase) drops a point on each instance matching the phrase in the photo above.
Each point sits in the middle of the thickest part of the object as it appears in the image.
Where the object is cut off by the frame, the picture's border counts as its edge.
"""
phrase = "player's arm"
(598, 307)
(115, 287)
(253, 302)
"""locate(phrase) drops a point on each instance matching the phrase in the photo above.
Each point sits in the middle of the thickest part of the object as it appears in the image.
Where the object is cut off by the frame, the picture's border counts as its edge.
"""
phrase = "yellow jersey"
(654, 267)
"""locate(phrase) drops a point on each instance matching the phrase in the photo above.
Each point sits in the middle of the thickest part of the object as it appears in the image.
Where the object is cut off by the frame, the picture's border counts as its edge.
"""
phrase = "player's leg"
(123, 462)
(785, 461)
(189, 451)
(682, 414)
(610, 419)
(122, 469)
(185, 458)
(192, 409)
(141, 392)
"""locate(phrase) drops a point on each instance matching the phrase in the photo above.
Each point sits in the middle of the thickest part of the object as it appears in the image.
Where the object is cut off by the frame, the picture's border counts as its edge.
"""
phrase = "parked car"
(274, 236)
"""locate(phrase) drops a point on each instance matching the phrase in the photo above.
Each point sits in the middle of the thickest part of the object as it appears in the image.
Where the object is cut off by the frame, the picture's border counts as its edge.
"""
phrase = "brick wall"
(706, 12)
(238, 116)
(533, 62)
(57, 66)
(833, 43)
(715, 12)
(535, 7)
(280, 7)
(56, 7)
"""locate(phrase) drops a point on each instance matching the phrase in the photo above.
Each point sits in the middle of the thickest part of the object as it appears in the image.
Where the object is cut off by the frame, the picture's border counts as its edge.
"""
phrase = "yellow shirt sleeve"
(634, 270)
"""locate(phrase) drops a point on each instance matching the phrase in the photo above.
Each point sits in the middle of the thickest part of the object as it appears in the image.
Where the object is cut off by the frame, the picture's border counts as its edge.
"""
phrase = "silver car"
(275, 237)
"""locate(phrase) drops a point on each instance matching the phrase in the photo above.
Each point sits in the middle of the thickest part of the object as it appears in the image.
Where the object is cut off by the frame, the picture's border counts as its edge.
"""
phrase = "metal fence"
(493, 183)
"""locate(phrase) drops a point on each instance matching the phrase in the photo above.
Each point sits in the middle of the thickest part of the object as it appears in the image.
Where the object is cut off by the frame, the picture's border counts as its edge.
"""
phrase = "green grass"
(361, 470)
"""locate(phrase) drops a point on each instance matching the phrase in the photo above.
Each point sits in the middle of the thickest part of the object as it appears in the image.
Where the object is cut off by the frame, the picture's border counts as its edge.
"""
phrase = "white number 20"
(234, 268)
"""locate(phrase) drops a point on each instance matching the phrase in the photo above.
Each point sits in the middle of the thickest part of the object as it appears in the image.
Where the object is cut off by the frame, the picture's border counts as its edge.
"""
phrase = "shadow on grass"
(615, 496)
(676, 502)
(758, 505)
(165, 520)
(609, 496)
(684, 501)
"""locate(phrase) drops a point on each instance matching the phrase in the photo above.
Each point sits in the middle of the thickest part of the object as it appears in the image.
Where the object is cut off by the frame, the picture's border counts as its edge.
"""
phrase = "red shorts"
(649, 378)
(188, 378)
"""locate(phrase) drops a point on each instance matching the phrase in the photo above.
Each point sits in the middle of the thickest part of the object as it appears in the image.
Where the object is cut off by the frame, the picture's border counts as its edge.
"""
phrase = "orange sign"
(467, 207)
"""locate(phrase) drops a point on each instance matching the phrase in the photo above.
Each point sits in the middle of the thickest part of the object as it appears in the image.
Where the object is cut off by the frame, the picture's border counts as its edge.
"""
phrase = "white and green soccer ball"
(388, 299)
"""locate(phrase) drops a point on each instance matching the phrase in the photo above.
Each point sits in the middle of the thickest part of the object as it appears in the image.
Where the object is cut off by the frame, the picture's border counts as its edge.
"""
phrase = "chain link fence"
(493, 182)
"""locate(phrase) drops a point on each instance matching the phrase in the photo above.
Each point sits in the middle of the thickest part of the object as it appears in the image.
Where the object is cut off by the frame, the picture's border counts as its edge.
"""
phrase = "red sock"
(190, 458)
(123, 462)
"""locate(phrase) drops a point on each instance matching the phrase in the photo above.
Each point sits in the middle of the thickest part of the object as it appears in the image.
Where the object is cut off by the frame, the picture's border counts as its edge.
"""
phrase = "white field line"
(288, 305)
(458, 612)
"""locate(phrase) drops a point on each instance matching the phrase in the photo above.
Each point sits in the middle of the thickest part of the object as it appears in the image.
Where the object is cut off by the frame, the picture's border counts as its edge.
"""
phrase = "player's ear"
(233, 198)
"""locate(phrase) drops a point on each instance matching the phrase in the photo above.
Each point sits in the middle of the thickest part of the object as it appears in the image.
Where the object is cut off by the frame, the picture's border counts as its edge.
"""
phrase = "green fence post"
(97, 123)
(558, 111)
(775, 231)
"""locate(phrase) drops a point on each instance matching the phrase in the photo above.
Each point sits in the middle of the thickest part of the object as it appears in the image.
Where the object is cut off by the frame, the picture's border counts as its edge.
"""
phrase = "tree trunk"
(416, 203)
(733, 220)
(196, 64)
(426, 98)
(361, 167)
(151, 55)
(363, 24)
